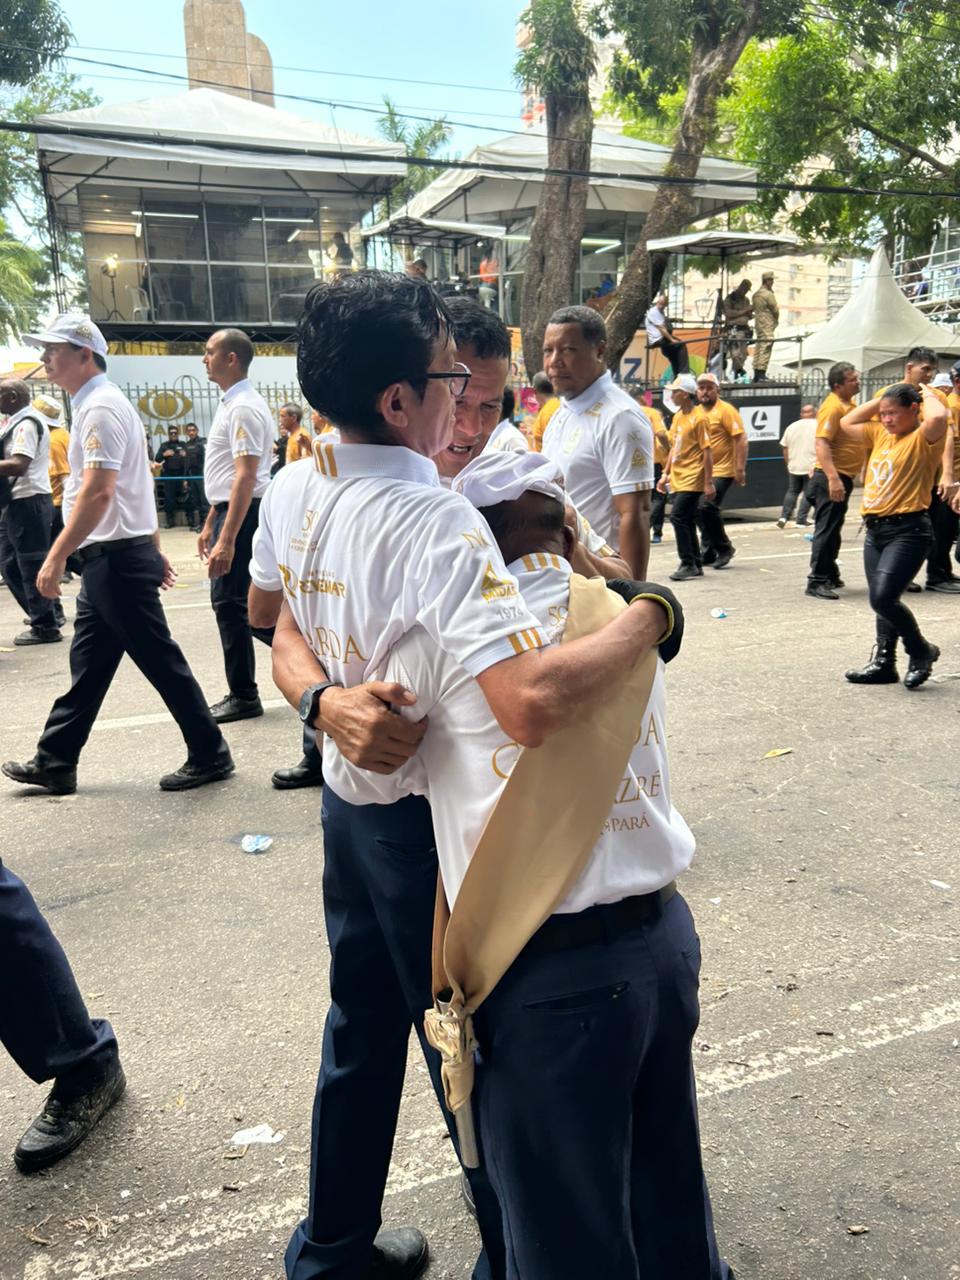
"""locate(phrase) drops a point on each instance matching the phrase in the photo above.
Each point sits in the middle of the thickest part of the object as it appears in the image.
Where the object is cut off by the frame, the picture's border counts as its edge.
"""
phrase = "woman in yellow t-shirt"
(903, 431)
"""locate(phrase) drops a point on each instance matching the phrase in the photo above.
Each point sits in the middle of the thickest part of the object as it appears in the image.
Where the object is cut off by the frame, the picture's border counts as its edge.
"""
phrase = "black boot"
(882, 667)
(919, 669)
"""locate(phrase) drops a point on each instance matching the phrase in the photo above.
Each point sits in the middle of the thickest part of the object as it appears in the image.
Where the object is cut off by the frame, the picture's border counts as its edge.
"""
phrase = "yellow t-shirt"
(848, 455)
(299, 444)
(900, 471)
(539, 424)
(58, 466)
(724, 424)
(691, 437)
(658, 425)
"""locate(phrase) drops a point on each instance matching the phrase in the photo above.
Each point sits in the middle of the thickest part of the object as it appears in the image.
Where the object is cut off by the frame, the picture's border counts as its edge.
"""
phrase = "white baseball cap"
(504, 476)
(707, 376)
(942, 380)
(80, 330)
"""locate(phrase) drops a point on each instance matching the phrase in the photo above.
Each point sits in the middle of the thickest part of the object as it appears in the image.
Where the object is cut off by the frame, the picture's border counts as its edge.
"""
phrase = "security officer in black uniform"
(111, 521)
(45, 1027)
(196, 448)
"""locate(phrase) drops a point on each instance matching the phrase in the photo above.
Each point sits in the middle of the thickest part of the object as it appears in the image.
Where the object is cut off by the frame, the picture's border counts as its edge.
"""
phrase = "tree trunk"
(553, 255)
(674, 207)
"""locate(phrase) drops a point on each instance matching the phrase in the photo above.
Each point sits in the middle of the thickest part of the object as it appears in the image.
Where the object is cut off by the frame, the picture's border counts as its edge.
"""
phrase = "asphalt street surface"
(825, 887)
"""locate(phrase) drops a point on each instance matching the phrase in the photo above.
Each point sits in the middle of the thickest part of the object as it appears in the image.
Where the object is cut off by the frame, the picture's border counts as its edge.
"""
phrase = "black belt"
(598, 924)
(108, 548)
(221, 507)
(872, 521)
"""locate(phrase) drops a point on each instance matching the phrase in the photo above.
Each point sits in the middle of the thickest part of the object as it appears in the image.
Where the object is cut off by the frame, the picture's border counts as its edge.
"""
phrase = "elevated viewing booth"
(500, 185)
(202, 209)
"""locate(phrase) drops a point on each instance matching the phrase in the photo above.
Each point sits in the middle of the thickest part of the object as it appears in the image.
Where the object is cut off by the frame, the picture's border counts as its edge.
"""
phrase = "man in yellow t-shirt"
(839, 461)
(299, 444)
(728, 444)
(662, 444)
(549, 404)
(940, 575)
(689, 470)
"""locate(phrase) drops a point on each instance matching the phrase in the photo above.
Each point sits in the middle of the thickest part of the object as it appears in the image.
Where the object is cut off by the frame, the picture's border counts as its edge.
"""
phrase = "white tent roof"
(481, 193)
(159, 141)
(877, 325)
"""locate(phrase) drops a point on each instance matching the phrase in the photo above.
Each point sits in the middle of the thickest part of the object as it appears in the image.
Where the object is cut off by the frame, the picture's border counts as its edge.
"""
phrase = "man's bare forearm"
(295, 666)
(88, 510)
(824, 452)
(635, 543)
(238, 504)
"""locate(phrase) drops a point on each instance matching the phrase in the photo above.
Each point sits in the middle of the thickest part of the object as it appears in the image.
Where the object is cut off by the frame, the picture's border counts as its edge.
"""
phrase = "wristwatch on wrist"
(310, 701)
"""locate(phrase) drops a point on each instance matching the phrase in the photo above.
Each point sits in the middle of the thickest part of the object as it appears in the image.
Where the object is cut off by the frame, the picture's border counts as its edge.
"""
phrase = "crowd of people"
(413, 566)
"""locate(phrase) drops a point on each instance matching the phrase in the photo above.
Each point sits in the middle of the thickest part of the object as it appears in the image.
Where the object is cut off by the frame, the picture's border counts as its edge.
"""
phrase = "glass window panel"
(116, 289)
(291, 232)
(239, 295)
(179, 291)
(288, 287)
(235, 232)
(174, 228)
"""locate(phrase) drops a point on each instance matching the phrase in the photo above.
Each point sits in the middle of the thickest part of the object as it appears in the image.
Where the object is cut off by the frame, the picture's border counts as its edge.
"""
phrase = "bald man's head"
(14, 395)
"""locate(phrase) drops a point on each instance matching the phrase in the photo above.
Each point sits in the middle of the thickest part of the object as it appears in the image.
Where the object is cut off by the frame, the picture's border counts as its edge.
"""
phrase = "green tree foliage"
(419, 139)
(559, 61)
(21, 271)
(33, 36)
(826, 107)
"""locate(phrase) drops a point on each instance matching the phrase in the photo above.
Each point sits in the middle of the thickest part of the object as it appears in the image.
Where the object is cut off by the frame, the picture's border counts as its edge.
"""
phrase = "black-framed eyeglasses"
(458, 377)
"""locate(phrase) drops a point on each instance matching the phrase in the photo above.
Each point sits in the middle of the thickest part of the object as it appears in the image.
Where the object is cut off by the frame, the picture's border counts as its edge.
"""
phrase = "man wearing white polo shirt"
(361, 546)
(619, 1165)
(236, 472)
(599, 437)
(110, 521)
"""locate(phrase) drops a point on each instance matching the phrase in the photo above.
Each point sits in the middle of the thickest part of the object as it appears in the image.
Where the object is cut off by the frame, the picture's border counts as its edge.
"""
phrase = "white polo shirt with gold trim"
(465, 759)
(242, 427)
(108, 433)
(603, 443)
(365, 545)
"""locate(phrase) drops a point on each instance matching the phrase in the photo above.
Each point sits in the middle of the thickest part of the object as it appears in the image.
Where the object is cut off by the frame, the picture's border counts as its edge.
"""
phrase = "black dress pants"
(171, 493)
(893, 550)
(713, 533)
(945, 523)
(44, 1024)
(228, 595)
(676, 353)
(118, 612)
(683, 517)
(24, 543)
(658, 503)
(828, 529)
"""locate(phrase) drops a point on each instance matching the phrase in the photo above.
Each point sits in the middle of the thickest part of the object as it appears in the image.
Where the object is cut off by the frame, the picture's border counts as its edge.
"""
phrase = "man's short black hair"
(361, 332)
(921, 355)
(475, 325)
(542, 384)
(590, 322)
(839, 373)
(508, 518)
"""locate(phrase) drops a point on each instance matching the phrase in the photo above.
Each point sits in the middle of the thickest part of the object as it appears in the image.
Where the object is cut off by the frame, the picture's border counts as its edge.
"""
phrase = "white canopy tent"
(171, 142)
(876, 327)
(483, 194)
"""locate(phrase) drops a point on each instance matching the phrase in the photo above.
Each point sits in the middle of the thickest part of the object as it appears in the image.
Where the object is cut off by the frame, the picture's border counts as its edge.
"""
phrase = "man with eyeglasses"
(353, 552)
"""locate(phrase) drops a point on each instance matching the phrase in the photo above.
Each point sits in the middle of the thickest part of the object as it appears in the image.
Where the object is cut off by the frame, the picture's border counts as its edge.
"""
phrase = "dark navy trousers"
(587, 1106)
(44, 1024)
(379, 889)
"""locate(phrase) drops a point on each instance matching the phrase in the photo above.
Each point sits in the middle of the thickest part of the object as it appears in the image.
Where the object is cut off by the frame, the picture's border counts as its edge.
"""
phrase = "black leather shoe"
(837, 583)
(65, 1121)
(191, 774)
(684, 572)
(303, 774)
(233, 708)
(913, 587)
(881, 669)
(919, 670)
(59, 779)
(709, 557)
(948, 585)
(821, 591)
(401, 1254)
(724, 558)
(48, 635)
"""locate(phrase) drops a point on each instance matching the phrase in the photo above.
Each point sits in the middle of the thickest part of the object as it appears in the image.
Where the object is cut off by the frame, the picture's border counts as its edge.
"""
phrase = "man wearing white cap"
(728, 446)
(27, 510)
(599, 437)
(606, 987)
(689, 472)
(361, 546)
(110, 521)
